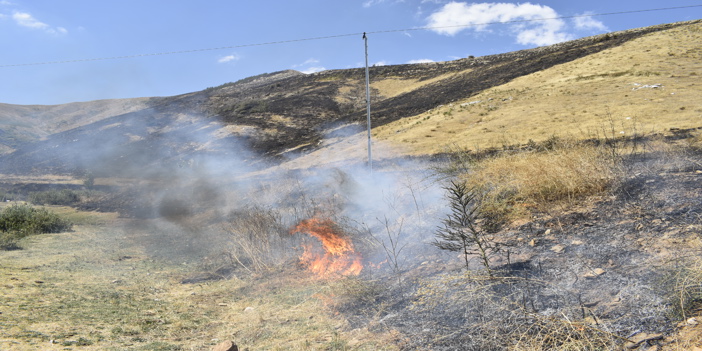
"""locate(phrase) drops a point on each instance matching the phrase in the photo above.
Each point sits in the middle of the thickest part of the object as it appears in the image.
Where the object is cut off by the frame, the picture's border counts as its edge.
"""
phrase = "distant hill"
(640, 80)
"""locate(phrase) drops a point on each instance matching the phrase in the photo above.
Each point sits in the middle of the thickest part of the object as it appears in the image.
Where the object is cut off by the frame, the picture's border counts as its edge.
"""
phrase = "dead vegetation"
(556, 175)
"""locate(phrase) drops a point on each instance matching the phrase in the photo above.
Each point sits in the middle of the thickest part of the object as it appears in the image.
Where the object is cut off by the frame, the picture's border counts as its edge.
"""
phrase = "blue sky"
(34, 31)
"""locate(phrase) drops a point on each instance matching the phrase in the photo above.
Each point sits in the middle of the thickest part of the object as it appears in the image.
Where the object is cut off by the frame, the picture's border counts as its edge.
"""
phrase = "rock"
(558, 248)
(249, 309)
(226, 346)
(594, 273)
(640, 338)
(692, 321)
(533, 242)
(576, 242)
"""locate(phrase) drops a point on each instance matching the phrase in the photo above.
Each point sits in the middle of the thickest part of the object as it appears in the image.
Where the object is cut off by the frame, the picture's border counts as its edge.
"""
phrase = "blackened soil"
(606, 267)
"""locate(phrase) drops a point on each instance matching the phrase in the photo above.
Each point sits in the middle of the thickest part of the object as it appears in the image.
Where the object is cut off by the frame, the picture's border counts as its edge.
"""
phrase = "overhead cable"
(339, 36)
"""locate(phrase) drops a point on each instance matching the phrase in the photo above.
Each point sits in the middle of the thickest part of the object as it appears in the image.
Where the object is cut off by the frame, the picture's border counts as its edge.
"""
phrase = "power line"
(535, 20)
(340, 36)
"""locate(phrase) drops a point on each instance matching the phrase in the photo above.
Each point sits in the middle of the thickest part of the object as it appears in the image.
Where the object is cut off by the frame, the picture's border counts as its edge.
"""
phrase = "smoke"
(193, 187)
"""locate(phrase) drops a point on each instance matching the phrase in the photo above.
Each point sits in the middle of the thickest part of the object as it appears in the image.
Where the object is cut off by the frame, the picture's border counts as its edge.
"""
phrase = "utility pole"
(368, 106)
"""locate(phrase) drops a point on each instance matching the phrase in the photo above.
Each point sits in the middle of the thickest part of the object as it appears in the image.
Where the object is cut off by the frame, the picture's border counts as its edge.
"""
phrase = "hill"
(642, 79)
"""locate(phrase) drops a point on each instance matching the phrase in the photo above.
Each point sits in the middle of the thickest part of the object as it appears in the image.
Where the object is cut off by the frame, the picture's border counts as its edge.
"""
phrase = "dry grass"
(97, 288)
(517, 184)
(574, 99)
(391, 87)
(484, 313)
(695, 141)
(684, 284)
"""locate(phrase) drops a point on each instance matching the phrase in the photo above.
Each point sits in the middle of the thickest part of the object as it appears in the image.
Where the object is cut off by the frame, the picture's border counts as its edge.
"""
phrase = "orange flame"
(337, 256)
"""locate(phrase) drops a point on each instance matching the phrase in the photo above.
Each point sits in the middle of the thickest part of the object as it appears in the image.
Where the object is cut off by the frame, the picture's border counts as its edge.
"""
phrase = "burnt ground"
(596, 275)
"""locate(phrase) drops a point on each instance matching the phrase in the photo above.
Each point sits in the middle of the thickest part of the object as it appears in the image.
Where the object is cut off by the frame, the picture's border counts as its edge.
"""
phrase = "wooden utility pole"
(368, 106)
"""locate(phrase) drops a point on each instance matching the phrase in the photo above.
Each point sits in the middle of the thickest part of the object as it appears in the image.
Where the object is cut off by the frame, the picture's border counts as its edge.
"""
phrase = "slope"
(646, 85)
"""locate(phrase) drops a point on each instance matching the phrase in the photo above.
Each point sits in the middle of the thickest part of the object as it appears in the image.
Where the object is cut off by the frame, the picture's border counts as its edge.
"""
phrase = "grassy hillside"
(647, 85)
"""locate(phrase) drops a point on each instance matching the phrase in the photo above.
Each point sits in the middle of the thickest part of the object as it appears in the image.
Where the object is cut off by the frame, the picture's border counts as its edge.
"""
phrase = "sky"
(108, 49)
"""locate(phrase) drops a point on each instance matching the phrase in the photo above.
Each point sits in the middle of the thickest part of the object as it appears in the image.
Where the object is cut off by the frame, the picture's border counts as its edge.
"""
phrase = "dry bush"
(259, 240)
(684, 288)
(514, 183)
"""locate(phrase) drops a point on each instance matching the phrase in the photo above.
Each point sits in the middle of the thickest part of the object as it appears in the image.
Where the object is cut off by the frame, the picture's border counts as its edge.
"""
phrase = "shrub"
(89, 180)
(19, 221)
(54, 197)
(461, 231)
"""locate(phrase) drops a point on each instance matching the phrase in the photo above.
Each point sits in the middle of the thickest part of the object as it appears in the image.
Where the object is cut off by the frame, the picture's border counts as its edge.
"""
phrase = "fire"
(336, 256)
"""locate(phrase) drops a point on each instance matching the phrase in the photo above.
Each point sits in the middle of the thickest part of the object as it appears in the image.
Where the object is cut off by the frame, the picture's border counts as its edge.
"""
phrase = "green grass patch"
(63, 197)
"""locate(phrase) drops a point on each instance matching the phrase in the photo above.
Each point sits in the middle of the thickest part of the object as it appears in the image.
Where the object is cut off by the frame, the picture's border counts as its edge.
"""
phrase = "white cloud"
(420, 61)
(586, 22)
(369, 3)
(228, 58)
(24, 19)
(5, 2)
(313, 70)
(312, 65)
(380, 63)
(310, 61)
(532, 24)
(59, 30)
